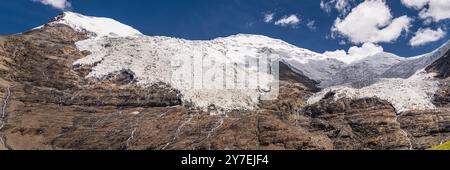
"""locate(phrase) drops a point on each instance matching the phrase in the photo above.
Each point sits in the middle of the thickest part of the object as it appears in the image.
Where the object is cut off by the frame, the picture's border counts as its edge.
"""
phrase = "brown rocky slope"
(48, 104)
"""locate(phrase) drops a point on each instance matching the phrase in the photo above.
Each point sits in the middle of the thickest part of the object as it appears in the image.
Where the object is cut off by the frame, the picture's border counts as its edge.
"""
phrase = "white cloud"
(58, 4)
(355, 53)
(326, 6)
(311, 25)
(431, 10)
(415, 4)
(342, 6)
(288, 20)
(336, 54)
(371, 21)
(367, 49)
(437, 10)
(268, 17)
(424, 36)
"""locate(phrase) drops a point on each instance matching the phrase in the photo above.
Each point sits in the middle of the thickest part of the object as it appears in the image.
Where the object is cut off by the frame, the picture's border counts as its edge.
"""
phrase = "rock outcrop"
(367, 123)
(441, 66)
(426, 128)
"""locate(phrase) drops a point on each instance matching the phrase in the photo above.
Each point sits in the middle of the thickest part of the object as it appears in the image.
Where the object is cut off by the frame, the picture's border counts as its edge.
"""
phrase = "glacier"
(115, 47)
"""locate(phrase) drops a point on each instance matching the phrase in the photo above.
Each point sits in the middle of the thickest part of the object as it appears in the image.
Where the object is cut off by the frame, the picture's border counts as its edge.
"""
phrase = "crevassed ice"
(157, 59)
(414, 93)
(152, 60)
(407, 86)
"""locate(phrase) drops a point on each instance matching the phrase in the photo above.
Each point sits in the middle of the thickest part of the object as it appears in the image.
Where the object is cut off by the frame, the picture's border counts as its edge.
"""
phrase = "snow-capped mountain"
(116, 47)
(83, 82)
(401, 81)
(96, 26)
(410, 66)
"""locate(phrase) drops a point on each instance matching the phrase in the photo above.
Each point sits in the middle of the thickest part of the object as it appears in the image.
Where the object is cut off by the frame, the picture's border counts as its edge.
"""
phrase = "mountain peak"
(95, 26)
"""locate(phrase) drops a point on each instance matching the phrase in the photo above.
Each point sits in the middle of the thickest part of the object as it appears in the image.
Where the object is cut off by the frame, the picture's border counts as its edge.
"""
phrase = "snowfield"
(183, 64)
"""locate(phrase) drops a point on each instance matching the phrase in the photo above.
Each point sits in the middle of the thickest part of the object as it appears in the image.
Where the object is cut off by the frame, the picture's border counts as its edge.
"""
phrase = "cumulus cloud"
(355, 53)
(437, 10)
(424, 36)
(326, 6)
(367, 49)
(311, 25)
(292, 20)
(415, 4)
(268, 17)
(342, 6)
(58, 4)
(371, 21)
(287, 20)
(430, 10)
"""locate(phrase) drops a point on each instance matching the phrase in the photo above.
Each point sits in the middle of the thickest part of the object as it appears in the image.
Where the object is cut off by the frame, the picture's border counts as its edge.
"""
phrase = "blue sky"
(208, 19)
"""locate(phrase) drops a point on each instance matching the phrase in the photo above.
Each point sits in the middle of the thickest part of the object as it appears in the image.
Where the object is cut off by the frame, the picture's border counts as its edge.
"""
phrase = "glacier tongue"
(414, 93)
(154, 60)
(401, 81)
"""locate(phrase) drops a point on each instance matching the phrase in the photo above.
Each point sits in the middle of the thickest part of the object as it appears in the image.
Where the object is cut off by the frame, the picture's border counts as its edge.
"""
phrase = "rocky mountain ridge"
(50, 101)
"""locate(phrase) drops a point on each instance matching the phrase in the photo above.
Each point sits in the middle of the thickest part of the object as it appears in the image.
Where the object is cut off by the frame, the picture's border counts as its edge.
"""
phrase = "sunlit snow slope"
(96, 26)
(115, 47)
